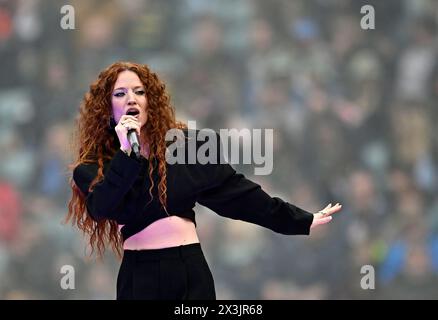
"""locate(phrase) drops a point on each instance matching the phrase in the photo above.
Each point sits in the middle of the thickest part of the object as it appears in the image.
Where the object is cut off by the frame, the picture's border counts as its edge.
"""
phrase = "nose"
(131, 98)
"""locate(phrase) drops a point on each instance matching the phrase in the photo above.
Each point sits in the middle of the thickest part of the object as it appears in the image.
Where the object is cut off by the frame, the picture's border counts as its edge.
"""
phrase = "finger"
(128, 126)
(125, 123)
(127, 117)
(131, 118)
(334, 209)
(319, 221)
(325, 211)
(329, 213)
(135, 126)
(323, 220)
(126, 120)
(132, 125)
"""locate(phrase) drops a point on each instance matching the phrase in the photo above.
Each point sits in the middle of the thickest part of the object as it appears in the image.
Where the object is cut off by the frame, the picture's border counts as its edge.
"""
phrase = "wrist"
(125, 150)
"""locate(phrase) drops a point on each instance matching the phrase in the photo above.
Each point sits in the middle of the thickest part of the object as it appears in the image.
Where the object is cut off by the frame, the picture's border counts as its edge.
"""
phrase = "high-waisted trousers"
(176, 273)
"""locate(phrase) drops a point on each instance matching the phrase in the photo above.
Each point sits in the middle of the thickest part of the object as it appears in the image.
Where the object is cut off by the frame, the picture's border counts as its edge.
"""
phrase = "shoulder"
(203, 145)
(202, 155)
(85, 169)
(89, 168)
(197, 137)
(84, 174)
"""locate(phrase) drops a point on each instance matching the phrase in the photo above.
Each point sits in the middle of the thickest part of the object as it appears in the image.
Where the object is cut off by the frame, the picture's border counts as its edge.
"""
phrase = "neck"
(144, 150)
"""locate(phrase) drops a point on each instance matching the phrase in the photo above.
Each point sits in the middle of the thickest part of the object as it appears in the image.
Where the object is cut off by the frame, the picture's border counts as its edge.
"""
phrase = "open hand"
(324, 216)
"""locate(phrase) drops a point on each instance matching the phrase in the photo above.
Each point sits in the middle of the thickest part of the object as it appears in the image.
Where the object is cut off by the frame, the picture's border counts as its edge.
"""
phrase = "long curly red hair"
(95, 143)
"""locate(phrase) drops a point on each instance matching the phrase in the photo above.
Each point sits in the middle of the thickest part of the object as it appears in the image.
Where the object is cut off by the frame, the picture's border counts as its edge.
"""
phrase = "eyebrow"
(123, 88)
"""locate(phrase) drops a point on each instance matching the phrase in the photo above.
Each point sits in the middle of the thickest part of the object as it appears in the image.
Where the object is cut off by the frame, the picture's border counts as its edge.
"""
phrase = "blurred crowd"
(352, 112)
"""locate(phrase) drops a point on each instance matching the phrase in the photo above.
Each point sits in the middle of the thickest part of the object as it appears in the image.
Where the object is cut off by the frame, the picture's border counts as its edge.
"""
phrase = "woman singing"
(142, 205)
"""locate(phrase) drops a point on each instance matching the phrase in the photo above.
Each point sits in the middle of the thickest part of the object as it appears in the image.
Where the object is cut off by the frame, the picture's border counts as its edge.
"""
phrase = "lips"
(133, 112)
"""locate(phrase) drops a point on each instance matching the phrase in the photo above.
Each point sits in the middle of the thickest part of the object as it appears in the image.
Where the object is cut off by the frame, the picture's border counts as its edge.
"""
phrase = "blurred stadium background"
(353, 114)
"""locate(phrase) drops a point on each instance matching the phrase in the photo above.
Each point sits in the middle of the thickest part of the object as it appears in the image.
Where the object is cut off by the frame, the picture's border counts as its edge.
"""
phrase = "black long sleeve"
(233, 196)
(106, 199)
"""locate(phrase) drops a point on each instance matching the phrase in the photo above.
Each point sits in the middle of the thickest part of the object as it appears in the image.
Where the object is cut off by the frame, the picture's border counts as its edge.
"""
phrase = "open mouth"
(133, 112)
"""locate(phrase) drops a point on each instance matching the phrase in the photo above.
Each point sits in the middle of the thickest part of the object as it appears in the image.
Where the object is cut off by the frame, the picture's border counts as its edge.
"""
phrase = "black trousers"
(176, 273)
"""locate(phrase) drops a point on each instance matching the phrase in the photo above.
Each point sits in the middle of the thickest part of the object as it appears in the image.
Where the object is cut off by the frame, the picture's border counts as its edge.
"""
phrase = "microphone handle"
(133, 140)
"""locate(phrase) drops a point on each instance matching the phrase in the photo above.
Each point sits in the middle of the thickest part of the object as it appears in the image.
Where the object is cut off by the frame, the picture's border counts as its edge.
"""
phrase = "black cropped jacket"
(123, 195)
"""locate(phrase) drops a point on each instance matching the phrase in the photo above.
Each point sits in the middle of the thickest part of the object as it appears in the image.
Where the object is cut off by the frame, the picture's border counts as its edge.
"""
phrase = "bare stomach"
(164, 233)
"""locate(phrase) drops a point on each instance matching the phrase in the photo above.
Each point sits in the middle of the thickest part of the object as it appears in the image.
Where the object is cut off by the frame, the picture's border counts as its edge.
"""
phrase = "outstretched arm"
(234, 196)
(231, 194)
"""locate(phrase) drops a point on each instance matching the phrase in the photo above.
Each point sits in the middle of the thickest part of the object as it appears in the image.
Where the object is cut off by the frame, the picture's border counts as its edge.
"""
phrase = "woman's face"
(129, 95)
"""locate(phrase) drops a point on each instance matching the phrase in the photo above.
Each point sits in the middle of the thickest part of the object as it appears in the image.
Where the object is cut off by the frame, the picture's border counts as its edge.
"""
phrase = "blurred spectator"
(417, 61)
(352, 112)
(53, 180)
(10, 213)
(214, 74)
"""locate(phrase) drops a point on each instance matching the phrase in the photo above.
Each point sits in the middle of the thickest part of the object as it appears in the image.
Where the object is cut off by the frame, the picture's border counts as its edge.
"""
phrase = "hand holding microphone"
(128, 131)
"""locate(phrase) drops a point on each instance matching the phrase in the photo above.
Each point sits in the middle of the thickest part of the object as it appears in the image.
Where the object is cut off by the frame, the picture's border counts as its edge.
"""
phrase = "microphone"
(133, 140)
(133, 137)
